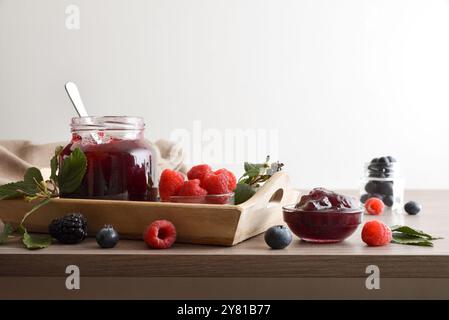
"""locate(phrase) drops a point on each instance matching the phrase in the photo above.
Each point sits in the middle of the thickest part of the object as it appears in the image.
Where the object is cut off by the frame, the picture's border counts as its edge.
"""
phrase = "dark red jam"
(116, 170)
(323, 216)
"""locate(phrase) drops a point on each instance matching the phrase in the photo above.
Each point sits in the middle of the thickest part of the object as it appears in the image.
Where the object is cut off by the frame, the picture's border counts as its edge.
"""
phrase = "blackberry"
(69, 229)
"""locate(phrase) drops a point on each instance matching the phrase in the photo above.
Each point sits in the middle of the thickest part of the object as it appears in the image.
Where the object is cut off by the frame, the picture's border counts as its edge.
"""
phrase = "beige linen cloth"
(18, 155)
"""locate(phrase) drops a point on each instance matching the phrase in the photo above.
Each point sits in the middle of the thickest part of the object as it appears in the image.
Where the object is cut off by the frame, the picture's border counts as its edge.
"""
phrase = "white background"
(343, 81)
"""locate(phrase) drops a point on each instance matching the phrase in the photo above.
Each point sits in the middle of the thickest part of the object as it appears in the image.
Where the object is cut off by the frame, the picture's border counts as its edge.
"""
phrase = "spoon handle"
(75, 97)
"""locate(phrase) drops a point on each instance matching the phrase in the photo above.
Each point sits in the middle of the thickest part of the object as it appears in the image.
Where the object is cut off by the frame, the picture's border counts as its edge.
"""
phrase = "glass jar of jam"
(120, 163)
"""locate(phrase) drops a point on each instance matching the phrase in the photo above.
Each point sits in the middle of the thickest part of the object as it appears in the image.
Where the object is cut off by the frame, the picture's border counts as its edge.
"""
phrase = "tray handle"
(272, 193)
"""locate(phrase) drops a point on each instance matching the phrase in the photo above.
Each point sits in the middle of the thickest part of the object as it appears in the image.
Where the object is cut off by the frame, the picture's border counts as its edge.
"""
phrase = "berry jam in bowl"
(323, 216)
(227, 198)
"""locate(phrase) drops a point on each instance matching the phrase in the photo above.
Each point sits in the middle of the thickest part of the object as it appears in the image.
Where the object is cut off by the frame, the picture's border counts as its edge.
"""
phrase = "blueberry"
(367, 196)
(385, 188)
(375, 195)
(374, 167)
(412, 207)
(383, 160)
(107, 237)
(391, 159)
(278, 237)
(371, 187)
(364, 197)
(388, 201)
(377, 175)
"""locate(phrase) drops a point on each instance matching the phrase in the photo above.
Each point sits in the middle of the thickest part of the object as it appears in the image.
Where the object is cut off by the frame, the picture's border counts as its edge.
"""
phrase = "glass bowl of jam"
(120, 163)
(323, 216)
(227, 198)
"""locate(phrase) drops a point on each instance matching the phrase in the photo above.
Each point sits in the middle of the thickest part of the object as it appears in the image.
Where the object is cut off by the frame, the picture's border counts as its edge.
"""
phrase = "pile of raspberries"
(202, 181)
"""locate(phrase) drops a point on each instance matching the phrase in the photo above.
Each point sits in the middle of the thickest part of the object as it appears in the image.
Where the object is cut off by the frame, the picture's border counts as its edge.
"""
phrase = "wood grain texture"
(251, 258)
(186, 288)
(224, 225)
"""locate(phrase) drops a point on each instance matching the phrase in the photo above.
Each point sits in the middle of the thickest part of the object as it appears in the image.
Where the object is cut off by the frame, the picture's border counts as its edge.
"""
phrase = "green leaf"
(403, 238)
(413, 232)
(72, 171)
(243, 192)
(33, 209)
(5, 233)
(244, 179)
(21, 229)
(54, 163)
(18, 189)
(10, 190)
(28, 187)
(33, 175)
(36, 241)
(251, 170)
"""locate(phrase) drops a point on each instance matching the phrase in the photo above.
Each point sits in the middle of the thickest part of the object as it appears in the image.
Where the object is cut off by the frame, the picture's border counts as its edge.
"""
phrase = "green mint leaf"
(5, 231)
(33, 175)
(243, 192)
(72, 171)
(413, 232)
(54, 163)
(33, 209)
(403, 238)
(36, 241)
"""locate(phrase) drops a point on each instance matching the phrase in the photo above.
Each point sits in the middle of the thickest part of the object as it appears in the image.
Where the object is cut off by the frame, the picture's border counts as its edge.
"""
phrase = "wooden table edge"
(221, 265)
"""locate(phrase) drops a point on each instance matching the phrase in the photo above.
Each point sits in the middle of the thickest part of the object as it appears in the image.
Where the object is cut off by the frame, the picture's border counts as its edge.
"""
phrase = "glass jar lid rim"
(107, 123)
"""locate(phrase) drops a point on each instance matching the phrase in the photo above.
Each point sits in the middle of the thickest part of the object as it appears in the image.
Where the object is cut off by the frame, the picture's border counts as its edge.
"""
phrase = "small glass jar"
(120, 163)
(382, 179)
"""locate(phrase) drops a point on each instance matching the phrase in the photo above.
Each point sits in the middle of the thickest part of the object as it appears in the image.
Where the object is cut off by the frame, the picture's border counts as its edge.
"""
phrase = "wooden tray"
(224, 225)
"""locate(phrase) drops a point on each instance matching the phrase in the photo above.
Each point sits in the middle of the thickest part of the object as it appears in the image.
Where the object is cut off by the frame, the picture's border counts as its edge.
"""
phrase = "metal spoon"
(75, 98)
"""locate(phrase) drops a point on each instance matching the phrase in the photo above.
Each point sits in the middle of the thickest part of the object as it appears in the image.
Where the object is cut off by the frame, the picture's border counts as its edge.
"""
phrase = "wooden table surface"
(252, 258)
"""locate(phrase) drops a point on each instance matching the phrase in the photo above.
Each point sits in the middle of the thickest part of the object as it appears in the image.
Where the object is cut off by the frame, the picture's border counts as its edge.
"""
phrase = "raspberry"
(376, 233)
(191, 188)
(170, 183)
(199, 172)
(374, 206)
(232, 180)
(160, 234)
(216, 183)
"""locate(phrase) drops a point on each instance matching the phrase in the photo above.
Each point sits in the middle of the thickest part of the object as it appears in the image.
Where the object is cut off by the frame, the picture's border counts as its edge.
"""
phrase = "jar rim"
(106, 123)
